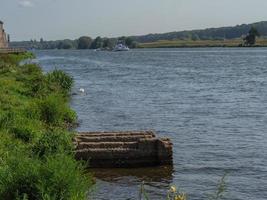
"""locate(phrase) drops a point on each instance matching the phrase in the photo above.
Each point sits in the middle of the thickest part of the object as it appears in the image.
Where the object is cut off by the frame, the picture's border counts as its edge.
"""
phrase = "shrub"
(56, 177)
(53, 142)
(16, 58)
(25, 129)
(31, 69)
(33, 78)
(31, 110)
(63, 178)
(69, 116)
(19, 125)
(6, 68)
(6, 119)
(63, 80)
(23, 133)
(19, 177)
(55, 111)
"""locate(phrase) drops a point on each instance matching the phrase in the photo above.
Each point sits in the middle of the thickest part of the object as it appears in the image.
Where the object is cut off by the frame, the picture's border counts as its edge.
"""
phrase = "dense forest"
(206, 34)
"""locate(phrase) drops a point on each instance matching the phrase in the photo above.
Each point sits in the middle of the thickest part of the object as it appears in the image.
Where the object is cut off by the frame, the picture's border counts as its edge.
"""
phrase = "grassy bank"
(261, 42)
(36, 150)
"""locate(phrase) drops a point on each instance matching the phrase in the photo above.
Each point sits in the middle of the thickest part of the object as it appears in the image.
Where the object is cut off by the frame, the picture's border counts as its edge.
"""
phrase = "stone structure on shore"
(123, 149)
(3, 37)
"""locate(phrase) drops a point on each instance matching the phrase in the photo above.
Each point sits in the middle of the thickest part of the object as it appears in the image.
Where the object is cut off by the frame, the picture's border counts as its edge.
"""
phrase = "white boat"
(121, 47)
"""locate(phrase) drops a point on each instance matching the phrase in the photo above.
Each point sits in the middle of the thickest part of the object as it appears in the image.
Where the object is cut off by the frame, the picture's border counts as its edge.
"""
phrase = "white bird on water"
(82, 90)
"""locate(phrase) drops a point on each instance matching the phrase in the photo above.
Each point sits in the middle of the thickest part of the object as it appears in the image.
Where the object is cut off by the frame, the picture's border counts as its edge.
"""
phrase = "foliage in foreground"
(36, 150)
(174, 194)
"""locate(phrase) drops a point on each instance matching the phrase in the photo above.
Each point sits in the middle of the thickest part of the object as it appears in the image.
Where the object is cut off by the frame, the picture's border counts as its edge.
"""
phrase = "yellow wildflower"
(173, 189)
(180, 197)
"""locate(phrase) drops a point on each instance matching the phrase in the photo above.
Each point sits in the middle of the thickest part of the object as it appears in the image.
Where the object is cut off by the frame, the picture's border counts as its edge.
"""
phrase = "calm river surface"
(212, 103)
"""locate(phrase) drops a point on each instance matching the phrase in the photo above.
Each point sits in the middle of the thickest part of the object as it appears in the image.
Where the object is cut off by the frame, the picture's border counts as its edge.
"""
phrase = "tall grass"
(36, 149)
(53, 110)
(53, 142)
(15, 59)
(61, 79)
(220, 189)
(55, 177)
(175, 194)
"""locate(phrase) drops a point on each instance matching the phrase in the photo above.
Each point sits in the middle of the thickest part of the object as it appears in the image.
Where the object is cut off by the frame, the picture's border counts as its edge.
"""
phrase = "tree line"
(206, 34)
(84, 42)
(248, 33)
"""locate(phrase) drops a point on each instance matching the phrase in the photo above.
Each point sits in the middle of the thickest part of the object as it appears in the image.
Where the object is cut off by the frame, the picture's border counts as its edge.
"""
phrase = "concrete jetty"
(123, 149)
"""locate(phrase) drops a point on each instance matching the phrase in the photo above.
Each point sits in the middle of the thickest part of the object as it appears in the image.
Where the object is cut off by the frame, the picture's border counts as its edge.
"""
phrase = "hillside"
(230, 32)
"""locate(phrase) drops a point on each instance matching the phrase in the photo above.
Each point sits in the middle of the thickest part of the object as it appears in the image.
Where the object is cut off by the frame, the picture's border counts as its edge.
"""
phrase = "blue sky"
(58, 19)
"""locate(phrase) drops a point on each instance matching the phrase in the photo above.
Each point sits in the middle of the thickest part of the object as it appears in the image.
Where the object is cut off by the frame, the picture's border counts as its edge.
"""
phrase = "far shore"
(261, 42)
(231, 43)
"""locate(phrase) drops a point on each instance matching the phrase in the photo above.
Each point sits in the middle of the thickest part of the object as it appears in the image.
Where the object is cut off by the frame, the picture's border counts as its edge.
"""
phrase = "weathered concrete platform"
(123, 149)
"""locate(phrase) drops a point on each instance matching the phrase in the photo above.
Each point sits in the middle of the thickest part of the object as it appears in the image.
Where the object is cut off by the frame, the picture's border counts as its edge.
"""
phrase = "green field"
(199, 43)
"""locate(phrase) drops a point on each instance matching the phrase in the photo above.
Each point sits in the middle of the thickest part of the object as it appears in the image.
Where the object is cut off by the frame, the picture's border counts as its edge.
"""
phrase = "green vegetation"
(250, 39)
(211, 37)
(108, 43)
(97, 43)
(36, 149)
(42, 44)
(261, 42)
(172, 194)
(104, 43)
(64, 44)
(61, 79)
(84, 42)
(175, 194)
(220, 190)
(128, 41)
(222, 33)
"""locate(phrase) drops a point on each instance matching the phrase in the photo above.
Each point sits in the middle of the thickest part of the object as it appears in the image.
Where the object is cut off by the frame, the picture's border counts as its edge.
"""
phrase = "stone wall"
(123, 149)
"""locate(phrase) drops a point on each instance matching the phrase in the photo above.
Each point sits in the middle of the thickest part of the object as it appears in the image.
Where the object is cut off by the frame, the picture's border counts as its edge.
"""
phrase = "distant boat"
(121, 47)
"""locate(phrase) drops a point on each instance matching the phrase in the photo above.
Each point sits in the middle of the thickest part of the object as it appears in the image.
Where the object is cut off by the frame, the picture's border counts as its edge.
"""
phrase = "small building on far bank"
(3, 36)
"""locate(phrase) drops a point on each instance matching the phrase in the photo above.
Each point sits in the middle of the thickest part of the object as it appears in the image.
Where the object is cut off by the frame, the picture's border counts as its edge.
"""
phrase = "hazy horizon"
(66, 19)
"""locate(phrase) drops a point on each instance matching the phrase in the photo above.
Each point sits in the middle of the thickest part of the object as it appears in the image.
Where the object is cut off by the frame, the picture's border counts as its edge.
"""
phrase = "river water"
(211, 102)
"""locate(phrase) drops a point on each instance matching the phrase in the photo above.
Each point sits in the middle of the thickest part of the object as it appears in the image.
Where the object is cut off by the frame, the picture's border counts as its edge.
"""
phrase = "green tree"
(97, 43)
(65, 44)
(250, 39)
(84, 42)
(129, 41)
(195, 37)
(254, 31)
(107, 43)
(122, 39)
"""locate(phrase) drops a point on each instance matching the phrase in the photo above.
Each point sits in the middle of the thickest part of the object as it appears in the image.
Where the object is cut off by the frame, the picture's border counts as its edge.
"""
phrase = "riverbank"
(36, 149)
(261, 42)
